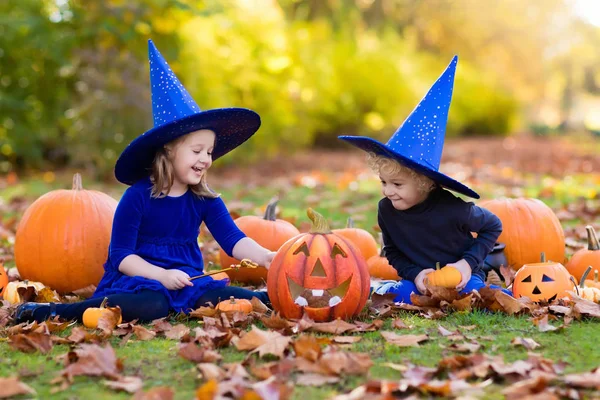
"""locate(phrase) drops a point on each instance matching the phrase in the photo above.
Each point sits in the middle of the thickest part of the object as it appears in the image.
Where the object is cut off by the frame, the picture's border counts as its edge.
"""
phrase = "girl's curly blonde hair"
(392, 167)
(163, 175)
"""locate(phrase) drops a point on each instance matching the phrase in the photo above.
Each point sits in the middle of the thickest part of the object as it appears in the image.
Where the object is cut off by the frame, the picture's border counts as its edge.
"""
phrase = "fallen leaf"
(258, 306)
(529, 389)
(203, 312)
(528, 343)
(196, 354)
(160, 325)
(399, 324)
(347, 339)
(211, 371)
(345, 362)
(207, 391)
(156, 393)
(334, 327)
(306, 346)
(47, 295)
(403, 340)
(445, 332)
(543, 325)
(586, 307)
(373, 326)
(92, 360)
(263, 342)
(31, 342)
(109, 320)
(463, 304)
(508, 274)
(465, 347)
(130, 384)
(275, 322)
(177, 332)
(12, 386)
(143, 333)
(315, 380)
(86, 292)
(589, 380)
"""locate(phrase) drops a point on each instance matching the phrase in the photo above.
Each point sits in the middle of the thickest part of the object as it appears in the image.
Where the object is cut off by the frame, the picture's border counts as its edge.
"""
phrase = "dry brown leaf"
(403, 340)
(373, 326)
(276, 323)
(12, 386)
(345, 362)
(130, 384)
(315, 380)
(207, 391)
(509, 304)
(508, 274)
(306, 346)
(263, 342)
(203, 312)
(445, 294)
(399, 324)
(258, 306)
(211, 371)
(528, 343)
(143, 333)
(347, 339)
(92, 360)
(160, 325)
(156, 393)
(543, 325)
(86, 292)
(463, 304)
(587, 308)
(534, 388)
(336, 327)
(31, 342)
(445, 332)
(109, 320)
(589, 380)
(177, 332)
(472, 347)
(304, 324)
(196, 354)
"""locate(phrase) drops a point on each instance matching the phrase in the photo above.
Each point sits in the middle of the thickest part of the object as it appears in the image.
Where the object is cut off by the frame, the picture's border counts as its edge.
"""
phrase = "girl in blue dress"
(154, 250)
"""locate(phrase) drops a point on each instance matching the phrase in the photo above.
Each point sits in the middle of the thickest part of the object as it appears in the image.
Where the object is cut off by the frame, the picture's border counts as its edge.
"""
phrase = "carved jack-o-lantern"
(318, 273)
(545, 281)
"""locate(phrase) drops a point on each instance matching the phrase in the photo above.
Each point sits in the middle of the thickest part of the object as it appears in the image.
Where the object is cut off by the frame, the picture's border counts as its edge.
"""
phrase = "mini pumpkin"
(3, 280)
(234, 305)
(11, 291)
(447, 277)
(269, 232)
(588, 293)
(544, 281)
(586, 257)
(62, 239)
(379, 266)
(360, 237)
(529, 227)
(92, 315)
(318, 273)
(594, 282)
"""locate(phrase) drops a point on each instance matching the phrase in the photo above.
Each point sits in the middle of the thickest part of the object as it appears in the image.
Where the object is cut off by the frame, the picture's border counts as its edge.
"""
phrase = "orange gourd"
(584, 258)
(234, 305)
(544, 281)
(529, 227)
(62, 239)
(267, 231)
(92, 315)
(447, 277)
(3, 280)
(318, 273)
(361, 239)
(379, 266)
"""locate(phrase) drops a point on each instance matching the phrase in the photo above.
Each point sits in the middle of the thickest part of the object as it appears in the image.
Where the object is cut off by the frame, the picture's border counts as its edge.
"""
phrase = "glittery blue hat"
(177, 114)
(419, 141)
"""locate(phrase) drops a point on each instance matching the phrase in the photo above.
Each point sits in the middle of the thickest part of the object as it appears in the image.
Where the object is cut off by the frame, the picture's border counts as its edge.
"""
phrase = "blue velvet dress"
(164, 232)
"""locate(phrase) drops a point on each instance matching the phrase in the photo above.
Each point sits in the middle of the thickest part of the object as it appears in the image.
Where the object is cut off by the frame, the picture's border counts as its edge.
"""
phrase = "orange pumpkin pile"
(62, 239)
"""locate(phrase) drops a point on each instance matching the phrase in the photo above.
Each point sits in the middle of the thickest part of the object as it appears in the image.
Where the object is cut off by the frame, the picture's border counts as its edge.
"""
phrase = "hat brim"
(371, 145)
(232, 127)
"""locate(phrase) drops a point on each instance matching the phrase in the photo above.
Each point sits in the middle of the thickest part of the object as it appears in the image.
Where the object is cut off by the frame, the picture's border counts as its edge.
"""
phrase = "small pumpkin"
(3, 280)
(92, 314)
(586, 257)
(62, 239)
(360, 237)
(320, 274)
(447, 277)
(267, 231)
(588, 293)
(544, 281)
(379, 266)
(234, 305)
(594, 282)
(529, 227)
(11, 291)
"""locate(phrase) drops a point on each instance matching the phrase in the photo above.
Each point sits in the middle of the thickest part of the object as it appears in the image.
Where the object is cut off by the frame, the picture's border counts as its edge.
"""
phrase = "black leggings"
(146, 305)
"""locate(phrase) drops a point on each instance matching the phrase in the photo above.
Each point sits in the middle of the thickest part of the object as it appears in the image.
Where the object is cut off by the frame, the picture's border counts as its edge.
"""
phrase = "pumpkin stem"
(572, 279)
(350, 223)
(543, 257)
(593, 243)
(437, 265)
(104, 301)
(271, 211)
(77, 185)
(596, 276)
(585, 274)
(232, 299)
(319, 223)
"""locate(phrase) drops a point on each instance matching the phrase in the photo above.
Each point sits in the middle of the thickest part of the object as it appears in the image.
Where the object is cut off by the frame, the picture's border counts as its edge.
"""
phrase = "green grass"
(157, 362)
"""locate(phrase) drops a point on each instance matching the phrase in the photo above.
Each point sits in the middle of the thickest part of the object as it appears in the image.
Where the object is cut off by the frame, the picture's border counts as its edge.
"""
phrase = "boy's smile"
(402, 190)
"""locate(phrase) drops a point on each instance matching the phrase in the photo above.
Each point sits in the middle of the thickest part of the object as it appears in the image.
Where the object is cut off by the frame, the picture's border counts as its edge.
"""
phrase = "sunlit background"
(74, 74)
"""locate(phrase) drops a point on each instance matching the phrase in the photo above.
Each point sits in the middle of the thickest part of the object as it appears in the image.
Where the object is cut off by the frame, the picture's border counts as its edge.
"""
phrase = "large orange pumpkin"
(361, 239)
(544, 281)
(62, 240)
(318, 273)
(529, 227)
(584, 258)
(269, 232)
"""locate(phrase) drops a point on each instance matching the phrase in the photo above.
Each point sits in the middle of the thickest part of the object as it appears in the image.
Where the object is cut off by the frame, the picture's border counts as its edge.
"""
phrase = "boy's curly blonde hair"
(163, 175)
(392, 167)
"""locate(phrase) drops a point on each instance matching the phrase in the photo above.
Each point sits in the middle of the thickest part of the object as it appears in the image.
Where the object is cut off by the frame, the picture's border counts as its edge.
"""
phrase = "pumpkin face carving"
(545, 281)
(318, 273)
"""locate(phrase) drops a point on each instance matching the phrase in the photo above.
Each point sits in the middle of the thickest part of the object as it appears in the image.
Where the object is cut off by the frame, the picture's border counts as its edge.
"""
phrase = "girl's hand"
(174, 279)
(465, 271)
(420, 280)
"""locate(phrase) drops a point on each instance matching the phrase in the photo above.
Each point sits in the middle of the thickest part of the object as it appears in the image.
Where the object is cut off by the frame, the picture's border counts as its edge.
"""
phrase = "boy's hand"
(420, 280)
(465, 271)
(174, 279)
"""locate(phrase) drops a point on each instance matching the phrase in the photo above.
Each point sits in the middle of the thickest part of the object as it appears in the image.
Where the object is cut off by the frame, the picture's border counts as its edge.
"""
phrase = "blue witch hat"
(419, 141)
(176, 114)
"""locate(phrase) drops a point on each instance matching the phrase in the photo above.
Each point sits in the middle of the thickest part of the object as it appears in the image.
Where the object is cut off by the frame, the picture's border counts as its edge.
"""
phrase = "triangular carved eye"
(302, 249)
(338, 250)
(546, 278)
(528, 279)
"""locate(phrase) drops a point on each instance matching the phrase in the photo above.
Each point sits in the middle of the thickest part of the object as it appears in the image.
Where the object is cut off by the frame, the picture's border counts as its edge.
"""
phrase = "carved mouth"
(318, 298)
